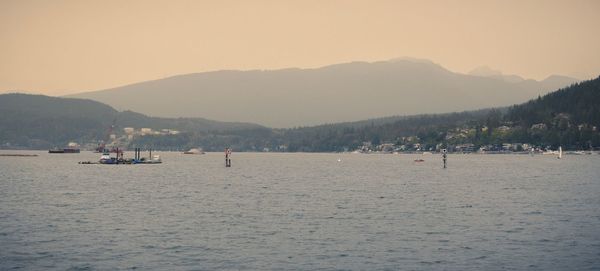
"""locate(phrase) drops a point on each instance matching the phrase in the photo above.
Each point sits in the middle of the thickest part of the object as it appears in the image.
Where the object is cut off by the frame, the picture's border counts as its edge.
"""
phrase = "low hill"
(37, 121)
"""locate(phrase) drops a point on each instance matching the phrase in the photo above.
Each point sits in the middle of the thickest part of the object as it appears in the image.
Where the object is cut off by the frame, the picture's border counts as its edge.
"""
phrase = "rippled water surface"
(301, 212)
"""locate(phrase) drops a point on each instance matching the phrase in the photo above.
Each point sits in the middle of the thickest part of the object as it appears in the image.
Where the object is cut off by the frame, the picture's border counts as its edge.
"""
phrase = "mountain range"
(568, 117)
(330, 94)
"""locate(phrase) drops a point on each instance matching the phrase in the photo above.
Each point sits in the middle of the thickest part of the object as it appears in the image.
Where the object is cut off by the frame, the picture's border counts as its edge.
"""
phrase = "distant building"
(503, 128)
(146, 131)
(539, 126)
(468, 147)
(128, 130)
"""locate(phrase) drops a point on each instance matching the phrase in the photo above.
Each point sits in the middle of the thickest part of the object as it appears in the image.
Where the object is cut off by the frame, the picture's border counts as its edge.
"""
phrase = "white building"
(146, 131)
(129, 130)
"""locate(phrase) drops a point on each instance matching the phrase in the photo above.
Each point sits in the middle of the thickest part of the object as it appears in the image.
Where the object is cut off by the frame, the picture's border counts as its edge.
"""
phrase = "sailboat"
(559, 152)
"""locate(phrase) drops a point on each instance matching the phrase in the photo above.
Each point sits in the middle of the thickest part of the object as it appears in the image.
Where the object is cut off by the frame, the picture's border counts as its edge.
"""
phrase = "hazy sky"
(58, 47)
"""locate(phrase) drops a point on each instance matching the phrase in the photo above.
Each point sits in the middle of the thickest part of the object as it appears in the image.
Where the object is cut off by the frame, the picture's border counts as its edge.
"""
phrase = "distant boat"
(154, 160)
(194, 151)
(106, 159)
(65, 150)
(56, 150)
(72, 147)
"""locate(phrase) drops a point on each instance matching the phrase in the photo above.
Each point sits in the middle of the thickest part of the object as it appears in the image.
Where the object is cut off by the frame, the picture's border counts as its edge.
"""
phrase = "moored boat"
(65, 150)
(194, 151)
(72, 147)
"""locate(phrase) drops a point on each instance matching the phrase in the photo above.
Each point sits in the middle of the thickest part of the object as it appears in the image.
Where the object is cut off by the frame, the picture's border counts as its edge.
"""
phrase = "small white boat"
(194, 151)
(155, 160)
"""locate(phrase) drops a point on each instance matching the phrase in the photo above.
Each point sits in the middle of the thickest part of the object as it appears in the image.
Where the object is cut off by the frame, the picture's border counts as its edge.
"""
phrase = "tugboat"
(106, 159)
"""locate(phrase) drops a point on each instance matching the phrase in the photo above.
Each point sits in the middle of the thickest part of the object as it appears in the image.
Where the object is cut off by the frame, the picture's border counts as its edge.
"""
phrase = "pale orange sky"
(60, 47)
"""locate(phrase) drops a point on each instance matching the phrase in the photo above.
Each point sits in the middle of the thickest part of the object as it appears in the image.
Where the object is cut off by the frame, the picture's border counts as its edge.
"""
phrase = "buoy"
(227, 157)
(444, 156)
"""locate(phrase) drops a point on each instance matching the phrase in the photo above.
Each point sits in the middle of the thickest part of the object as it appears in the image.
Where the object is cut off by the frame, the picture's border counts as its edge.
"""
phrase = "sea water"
(301, 211)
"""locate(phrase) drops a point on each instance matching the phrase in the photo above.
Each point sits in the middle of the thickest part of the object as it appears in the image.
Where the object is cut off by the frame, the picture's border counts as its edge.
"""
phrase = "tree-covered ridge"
(38, 121)
(430, 129)
(568, 117)
(580, 101)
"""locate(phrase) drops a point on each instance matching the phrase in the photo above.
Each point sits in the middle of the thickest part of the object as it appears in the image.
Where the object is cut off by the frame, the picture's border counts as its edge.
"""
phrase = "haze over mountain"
(335, 93)
(485, 71)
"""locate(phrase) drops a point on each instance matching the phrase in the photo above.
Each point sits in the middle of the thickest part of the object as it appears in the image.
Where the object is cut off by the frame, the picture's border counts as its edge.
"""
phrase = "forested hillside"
(37, 121)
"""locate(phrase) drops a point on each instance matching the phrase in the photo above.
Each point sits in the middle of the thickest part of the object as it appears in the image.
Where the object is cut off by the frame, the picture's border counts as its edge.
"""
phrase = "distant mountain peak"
(486, 71)
(559, 80)
(413, 59)
(559, 77)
